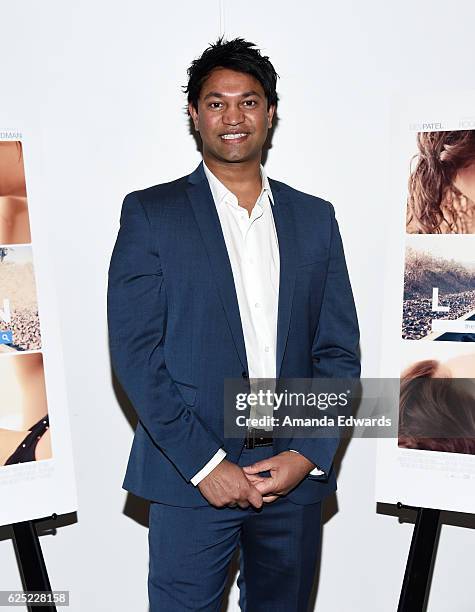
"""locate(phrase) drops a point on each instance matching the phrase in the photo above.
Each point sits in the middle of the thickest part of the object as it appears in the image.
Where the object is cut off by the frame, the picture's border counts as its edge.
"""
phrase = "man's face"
(232, 116)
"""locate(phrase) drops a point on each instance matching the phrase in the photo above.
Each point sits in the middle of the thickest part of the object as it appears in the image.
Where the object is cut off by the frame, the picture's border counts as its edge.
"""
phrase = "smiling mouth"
(234, 136)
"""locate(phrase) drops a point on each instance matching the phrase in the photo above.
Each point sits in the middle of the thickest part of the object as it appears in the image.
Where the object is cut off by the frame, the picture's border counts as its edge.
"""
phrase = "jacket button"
(245, 375)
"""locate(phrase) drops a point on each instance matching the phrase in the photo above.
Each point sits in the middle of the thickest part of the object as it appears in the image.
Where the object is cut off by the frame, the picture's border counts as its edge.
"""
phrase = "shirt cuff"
(212, 463)
(315, 472)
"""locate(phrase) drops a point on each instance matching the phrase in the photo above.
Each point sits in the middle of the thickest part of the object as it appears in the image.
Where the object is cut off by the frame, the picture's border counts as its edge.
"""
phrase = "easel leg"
(419, 562)
(32, 565)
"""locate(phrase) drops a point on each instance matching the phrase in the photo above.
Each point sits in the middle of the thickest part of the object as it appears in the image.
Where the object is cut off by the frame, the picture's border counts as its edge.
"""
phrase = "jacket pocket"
(314, 262)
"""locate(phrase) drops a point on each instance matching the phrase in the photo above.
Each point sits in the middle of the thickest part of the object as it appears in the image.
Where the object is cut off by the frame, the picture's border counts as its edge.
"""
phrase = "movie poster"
(36, 470)
(429, 312)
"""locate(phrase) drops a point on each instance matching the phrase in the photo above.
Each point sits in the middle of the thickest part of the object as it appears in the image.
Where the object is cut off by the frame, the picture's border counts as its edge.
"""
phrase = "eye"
(215, 104)
(250, 103)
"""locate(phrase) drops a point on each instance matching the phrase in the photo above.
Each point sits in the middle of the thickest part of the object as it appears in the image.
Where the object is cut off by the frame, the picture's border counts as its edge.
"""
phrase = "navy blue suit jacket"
(175, 329)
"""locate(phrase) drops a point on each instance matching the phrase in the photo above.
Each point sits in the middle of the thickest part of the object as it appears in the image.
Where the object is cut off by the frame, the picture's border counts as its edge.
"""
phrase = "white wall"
(101, 80)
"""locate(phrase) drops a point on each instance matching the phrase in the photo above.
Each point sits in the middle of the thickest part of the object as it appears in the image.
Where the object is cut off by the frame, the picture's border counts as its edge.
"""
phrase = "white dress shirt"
(253, 250)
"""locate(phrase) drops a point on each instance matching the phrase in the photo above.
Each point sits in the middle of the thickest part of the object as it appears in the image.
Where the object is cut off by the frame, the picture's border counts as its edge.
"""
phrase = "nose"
(233, 115)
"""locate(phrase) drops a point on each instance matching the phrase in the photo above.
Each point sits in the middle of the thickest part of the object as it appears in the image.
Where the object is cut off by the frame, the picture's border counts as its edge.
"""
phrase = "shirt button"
(257, 305)
(266, 348)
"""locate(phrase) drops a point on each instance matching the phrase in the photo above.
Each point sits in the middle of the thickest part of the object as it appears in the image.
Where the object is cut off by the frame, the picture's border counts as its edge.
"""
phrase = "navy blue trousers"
(191, 550)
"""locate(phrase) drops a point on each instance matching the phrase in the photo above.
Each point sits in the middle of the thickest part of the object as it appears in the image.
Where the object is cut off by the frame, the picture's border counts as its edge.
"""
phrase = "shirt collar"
(220, 191)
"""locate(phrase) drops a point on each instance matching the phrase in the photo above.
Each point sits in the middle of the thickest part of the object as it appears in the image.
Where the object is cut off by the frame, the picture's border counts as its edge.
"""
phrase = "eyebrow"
(246, 94)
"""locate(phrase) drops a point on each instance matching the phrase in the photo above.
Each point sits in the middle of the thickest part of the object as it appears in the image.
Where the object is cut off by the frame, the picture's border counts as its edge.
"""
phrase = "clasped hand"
(230, 485)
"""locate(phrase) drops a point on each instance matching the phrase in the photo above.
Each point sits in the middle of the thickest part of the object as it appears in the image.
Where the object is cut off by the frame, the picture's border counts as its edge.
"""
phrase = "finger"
(242, 504)
(259, 466)
(267, 487)
(255, 479)
(269, 498)
(255, 498)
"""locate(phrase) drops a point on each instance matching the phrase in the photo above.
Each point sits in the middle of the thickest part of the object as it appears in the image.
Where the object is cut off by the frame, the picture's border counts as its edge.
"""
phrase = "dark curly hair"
(441, 155)
(237, 54)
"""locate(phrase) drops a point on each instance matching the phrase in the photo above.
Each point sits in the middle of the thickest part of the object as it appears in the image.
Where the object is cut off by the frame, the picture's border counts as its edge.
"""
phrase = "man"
(225, 274)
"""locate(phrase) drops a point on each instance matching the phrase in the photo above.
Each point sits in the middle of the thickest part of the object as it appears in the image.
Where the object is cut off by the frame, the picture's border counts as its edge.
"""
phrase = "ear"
(270, 115)
(194, 115)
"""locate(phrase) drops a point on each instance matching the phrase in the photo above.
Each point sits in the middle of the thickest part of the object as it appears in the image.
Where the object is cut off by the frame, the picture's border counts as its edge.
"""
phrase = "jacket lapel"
(199, 194)
(285, 228)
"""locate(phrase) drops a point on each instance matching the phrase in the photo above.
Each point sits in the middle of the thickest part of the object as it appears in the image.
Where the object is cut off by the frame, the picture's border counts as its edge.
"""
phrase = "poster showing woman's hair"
(441, 198)
(36, 464)
(19, 320)
(437, 401)
(24, 422)
(439, 288)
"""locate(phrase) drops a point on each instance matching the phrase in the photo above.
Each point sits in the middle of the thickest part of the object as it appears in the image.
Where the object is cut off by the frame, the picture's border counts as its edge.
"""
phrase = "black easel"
(414, 591)
(33, 571)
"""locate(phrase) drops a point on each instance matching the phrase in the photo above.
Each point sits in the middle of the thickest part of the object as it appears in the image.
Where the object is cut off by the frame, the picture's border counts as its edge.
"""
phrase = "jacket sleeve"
(137, 314)
(335, 346)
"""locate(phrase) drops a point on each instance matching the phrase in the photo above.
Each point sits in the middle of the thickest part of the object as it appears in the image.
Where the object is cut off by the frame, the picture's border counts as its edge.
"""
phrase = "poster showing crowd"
(36, 467)
(429, 306)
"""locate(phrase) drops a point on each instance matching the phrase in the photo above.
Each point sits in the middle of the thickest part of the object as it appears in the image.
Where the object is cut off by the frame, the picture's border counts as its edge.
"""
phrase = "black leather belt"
(258, 437)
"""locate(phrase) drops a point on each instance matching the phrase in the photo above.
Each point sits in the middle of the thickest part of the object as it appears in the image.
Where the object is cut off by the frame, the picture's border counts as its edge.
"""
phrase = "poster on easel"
(36, 464)
(429, 305)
